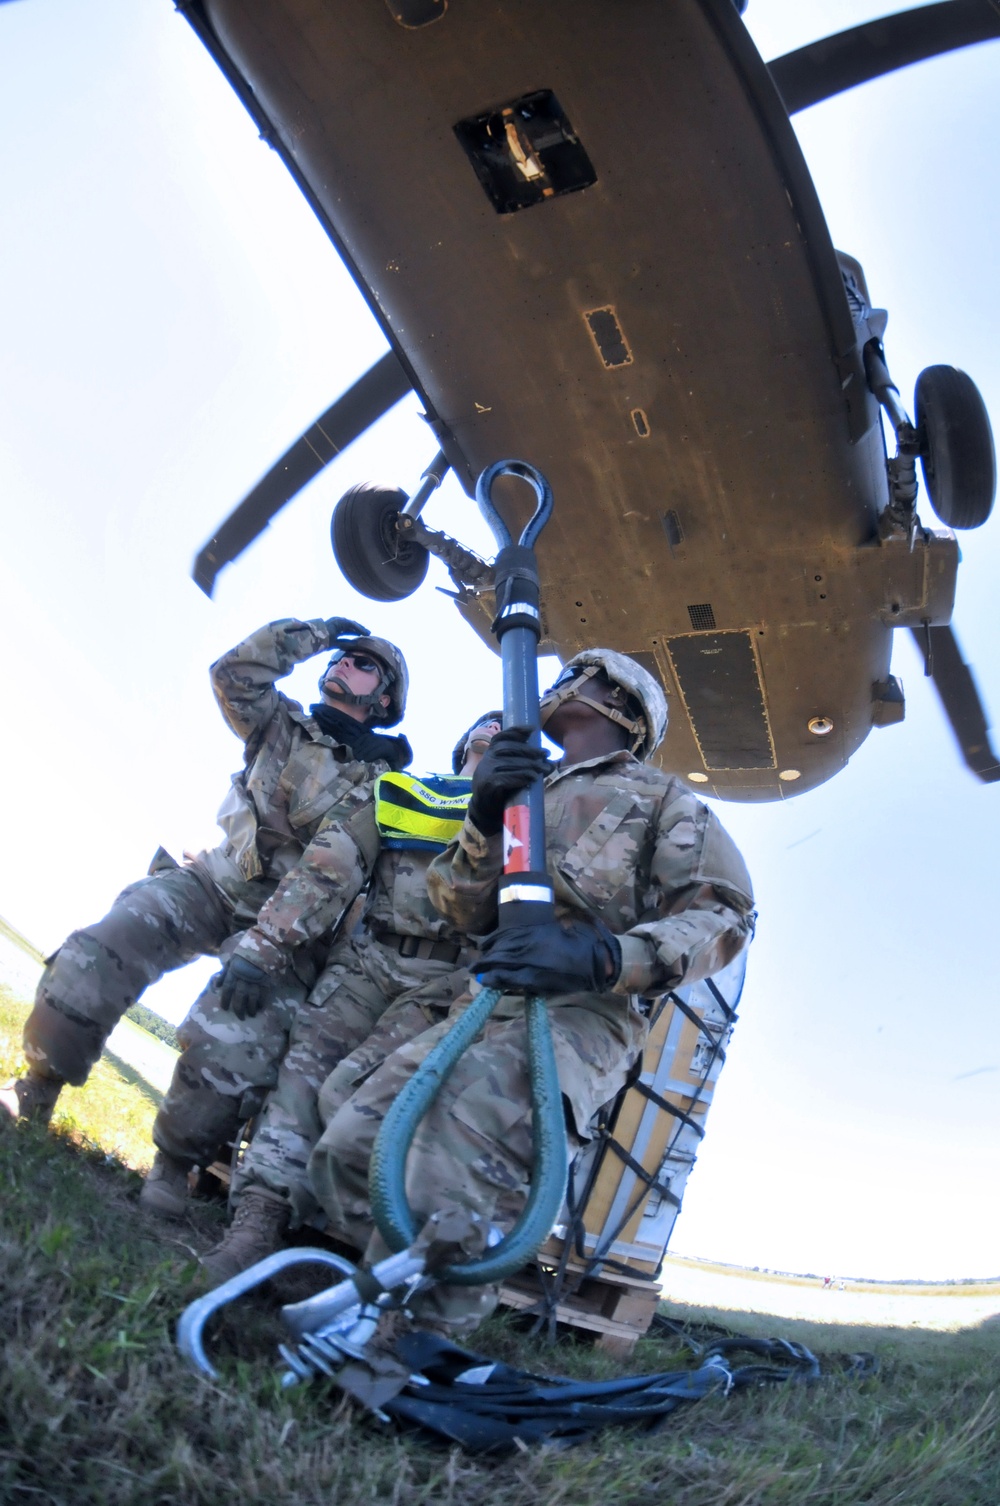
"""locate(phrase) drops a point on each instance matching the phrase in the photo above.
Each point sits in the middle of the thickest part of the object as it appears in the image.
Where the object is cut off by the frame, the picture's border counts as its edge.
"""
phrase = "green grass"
(114, 1110)
(95, 1405)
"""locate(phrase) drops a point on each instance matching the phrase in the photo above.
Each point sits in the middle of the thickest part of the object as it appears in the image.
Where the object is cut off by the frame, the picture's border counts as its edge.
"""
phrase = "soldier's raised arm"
(703, 893)
(243, 679)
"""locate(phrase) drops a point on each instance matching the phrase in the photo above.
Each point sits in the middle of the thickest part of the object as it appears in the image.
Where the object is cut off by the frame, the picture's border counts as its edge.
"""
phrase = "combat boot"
(31, 1097)
(257, 1229)
(165, 1190)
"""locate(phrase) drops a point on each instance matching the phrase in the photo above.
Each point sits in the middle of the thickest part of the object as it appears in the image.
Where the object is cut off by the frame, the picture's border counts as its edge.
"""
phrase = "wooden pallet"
(616, 1311)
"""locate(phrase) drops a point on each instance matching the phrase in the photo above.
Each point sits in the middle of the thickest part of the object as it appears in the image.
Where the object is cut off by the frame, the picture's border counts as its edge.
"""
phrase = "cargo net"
(665, 1102)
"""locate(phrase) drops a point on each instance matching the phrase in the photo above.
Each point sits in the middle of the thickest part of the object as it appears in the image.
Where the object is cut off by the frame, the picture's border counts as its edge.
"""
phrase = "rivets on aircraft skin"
(790, 774)
(820, 726)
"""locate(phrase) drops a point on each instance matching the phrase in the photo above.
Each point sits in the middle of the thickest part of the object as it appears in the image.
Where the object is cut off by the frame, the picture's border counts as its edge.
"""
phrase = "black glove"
(506, 767)
(344, 627)
(558, 957)
(244, 987)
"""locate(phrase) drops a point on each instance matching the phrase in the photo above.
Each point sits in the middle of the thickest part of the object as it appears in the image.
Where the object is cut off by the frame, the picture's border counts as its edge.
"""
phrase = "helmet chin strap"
(371, 700)
(573, 691)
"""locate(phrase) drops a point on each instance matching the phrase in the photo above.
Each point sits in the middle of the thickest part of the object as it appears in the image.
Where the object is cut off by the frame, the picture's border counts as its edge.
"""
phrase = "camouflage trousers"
(226, 1068)
(368, 1001)
(474, 1147)
(154, 926)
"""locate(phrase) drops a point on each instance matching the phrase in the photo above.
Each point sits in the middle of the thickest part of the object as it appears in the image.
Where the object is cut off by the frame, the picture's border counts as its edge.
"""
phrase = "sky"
(173, 317)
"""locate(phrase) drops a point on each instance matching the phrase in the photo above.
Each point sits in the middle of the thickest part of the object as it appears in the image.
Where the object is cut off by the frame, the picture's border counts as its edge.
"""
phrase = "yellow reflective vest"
(422, 813)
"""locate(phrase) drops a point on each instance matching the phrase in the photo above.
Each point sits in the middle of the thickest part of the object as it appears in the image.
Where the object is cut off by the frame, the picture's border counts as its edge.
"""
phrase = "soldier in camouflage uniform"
(397, 976)
(295, 770)
(650, 893)
(237, 1031)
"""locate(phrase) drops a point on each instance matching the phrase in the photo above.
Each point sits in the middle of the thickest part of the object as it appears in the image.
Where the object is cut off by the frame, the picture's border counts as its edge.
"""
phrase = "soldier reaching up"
(297, 766)
(650, 893)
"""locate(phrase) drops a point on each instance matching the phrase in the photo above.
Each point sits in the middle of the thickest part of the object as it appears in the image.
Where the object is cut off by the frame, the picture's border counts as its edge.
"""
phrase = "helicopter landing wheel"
(370, 553)
(956, 446)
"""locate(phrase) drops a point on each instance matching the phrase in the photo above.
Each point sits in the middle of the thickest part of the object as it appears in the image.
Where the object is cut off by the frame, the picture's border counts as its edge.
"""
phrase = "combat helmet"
(395, 681)
(458, 753)
(643, 713)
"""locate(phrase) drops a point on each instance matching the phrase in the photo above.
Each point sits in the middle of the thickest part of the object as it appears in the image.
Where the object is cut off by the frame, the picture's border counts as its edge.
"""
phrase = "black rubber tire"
(367, 548)
(956, 446)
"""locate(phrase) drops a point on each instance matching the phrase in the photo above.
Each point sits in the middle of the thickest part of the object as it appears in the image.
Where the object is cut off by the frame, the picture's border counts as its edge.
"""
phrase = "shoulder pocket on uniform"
(596, 874)
(363, 831)
(721, 862)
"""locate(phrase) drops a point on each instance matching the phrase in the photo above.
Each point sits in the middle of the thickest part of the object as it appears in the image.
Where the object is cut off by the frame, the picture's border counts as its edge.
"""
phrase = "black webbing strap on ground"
(489, 1407)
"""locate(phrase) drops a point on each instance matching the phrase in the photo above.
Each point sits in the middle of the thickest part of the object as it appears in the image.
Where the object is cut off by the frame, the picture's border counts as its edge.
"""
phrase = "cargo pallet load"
(598, 1272)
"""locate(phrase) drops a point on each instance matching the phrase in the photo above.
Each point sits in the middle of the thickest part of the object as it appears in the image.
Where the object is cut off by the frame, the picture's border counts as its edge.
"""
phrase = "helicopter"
(591, 240)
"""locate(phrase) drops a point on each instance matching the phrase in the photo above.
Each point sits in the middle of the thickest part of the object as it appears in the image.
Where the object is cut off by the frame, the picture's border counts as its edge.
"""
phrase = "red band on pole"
(516, 844)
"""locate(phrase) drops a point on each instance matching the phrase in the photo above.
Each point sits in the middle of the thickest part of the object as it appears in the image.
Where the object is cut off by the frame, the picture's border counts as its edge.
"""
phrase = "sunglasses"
(360, 661)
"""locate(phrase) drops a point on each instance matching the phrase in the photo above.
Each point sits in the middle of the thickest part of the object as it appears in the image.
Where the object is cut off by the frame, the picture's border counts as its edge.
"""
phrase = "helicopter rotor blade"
(371, 396)
(855, 56)
(954, 683)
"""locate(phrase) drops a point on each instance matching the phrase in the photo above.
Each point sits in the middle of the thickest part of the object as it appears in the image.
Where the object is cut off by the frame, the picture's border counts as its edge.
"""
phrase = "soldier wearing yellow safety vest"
(397, 975)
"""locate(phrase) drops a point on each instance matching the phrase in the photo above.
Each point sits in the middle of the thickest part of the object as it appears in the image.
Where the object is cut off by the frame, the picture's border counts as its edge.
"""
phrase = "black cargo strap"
(369, 1288)
(562, 1282)
(668, 1108)
(723, 1003)
(486, 1406)
(648, 1178)
(714, 1041)
(421, 947)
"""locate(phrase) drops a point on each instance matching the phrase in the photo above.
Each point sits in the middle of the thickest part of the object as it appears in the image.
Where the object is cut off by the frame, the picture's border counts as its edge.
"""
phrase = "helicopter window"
(611, 343)
(672, 528)
(525, 151)
(414, 13)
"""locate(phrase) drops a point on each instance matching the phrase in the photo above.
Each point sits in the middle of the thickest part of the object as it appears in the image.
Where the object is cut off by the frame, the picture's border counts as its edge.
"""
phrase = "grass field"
(95, 1406)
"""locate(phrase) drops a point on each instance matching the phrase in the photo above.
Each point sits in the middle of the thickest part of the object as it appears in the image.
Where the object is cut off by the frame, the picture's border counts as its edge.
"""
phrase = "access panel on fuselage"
(666, 338)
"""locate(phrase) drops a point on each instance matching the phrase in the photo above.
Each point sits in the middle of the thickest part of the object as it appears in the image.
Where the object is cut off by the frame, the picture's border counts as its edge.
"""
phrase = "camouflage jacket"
(345, 853)
(631, 845)
(293, 773)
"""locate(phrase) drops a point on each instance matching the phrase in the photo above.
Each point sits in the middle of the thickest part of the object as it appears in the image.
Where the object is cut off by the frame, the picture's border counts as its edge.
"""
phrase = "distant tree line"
(154, 1023)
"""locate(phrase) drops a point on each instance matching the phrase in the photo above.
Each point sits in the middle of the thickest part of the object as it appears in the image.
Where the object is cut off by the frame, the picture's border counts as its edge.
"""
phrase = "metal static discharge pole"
(525, 890)
(525, 897)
